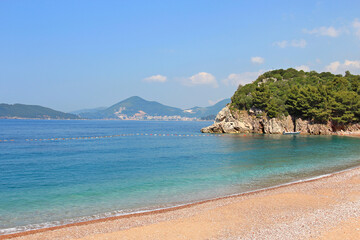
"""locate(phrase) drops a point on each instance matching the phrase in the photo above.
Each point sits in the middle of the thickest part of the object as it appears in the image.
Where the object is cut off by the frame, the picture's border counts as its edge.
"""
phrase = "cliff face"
(235, 121)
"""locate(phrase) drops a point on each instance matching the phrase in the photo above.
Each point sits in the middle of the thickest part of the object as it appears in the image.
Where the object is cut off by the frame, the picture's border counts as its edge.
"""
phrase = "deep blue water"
(45, 183)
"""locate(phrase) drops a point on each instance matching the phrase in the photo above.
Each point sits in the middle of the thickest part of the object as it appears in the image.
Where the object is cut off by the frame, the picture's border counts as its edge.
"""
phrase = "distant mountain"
(208, 112)
(32, 111)
(136, 105)
(88, 110)
(133, 107)
(139, 108)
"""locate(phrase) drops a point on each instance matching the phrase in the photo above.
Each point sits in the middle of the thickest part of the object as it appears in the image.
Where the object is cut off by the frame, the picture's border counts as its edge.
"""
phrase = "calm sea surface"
(47, 183)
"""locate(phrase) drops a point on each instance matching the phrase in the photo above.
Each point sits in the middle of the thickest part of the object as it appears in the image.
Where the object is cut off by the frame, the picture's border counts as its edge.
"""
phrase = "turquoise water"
(47, 183)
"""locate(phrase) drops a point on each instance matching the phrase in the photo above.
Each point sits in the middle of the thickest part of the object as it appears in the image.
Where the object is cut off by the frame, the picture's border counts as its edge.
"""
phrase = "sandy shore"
(326, 208)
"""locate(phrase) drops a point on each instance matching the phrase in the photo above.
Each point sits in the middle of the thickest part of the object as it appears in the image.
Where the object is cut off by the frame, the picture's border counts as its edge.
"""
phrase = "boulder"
(215, 128)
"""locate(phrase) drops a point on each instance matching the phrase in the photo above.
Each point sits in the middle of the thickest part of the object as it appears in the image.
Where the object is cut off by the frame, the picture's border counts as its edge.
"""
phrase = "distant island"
(133, 108)
(32, 111)
(289, 100)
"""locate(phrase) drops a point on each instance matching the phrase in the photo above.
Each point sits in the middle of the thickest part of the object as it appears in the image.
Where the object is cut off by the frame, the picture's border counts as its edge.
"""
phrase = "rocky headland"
(293, 101)
(230, 120)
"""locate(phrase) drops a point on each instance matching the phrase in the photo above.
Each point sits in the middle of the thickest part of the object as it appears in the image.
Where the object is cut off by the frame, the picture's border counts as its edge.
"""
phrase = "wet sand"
(325, 208)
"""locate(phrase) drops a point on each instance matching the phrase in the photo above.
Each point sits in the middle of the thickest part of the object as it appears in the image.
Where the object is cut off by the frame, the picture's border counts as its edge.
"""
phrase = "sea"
(55, 172)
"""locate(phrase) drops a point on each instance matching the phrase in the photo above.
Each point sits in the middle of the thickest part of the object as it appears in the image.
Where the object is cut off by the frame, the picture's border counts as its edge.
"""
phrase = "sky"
(71, 55)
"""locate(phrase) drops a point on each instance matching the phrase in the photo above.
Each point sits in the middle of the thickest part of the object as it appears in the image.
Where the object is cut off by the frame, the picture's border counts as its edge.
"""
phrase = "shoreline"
(167, 210)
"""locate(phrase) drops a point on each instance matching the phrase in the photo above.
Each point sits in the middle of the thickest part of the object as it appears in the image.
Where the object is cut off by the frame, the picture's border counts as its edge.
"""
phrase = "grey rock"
(235, 121)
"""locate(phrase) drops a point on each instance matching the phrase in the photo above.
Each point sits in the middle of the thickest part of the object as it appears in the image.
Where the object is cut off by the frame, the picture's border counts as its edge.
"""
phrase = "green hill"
(319, 97)
(32, 111)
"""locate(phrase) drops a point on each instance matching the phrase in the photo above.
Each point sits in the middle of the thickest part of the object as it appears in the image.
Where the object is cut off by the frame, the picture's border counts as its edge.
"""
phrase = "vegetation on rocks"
(318, 97)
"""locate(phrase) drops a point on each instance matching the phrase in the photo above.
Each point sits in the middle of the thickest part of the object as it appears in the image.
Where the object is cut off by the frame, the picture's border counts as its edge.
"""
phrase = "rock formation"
(235, 121)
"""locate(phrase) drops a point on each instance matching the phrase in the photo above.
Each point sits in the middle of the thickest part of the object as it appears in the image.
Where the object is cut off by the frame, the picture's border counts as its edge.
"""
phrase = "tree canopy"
(319, 97)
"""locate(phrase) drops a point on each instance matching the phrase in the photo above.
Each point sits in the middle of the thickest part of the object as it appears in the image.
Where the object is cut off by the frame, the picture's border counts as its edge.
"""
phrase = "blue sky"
(70, 55)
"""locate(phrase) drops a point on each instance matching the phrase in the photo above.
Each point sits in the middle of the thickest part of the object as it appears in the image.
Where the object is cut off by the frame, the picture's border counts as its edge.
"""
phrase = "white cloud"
(356, 26)
(353, 28)
(355, 64)
(298, 43)
(333, 67)
(258, 60)
(340, 68)
(282, 44)
(201, 78)
(303, 67)
(235, 79)
(301, 43)
(156, 78)
(324, 31)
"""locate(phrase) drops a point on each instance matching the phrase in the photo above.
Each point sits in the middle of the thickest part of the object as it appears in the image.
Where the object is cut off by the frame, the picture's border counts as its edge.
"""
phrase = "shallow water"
(46, 183)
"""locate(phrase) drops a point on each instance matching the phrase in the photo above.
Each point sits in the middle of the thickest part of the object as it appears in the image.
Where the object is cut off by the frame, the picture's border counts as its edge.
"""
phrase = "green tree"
(309, 95)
